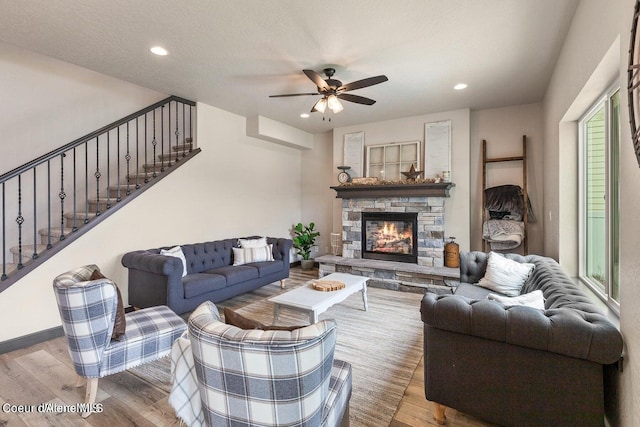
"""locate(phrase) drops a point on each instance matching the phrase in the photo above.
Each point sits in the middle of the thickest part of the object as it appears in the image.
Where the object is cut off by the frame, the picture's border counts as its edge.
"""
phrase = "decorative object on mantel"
(343, 176)
(327, 285)
(365, 180)
(412, 174)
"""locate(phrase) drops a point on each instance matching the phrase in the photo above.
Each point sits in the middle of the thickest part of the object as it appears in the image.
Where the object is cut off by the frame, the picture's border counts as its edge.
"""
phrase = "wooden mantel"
(349, 191)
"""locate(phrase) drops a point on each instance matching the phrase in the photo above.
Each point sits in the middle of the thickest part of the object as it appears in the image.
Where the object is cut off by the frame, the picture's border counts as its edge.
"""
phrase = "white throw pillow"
(248, 255)
(176, 251)
(533, 299)
(504, 275)
(253, 243)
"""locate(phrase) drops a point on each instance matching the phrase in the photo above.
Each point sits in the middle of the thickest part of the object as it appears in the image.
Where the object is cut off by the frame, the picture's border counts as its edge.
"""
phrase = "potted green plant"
(304, 238)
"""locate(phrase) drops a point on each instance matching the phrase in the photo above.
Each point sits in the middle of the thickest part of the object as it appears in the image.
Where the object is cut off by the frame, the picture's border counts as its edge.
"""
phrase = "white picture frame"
(437, 149)
(353, 153)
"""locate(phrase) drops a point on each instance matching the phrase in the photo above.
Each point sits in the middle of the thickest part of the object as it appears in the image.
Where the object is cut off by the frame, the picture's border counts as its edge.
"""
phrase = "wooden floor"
(44, 373)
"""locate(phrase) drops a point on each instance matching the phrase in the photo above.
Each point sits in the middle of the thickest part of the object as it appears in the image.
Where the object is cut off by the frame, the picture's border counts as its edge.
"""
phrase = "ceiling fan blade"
(317, 79)
(292, 94)
(357, 99)
(359, 84)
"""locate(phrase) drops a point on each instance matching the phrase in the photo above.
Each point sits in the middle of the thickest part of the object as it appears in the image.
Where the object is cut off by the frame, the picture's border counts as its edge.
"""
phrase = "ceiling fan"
(333, 90)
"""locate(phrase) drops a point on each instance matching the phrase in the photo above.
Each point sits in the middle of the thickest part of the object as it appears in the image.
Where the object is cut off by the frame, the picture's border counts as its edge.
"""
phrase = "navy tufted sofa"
(518, 366)
(156, 279)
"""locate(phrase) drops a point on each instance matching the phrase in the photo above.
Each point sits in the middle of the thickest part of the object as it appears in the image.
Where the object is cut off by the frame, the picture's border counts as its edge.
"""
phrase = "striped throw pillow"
(248, 255)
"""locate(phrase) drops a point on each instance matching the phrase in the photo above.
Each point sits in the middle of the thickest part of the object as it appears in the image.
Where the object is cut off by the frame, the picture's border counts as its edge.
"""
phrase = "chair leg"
(90, 395)
(283, 283)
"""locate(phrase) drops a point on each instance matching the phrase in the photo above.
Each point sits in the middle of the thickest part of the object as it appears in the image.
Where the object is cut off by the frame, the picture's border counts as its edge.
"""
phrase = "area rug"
(383, 345)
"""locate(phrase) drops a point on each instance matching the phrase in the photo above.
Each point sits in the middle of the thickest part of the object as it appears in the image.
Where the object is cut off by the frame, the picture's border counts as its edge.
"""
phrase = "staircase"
(52, 200)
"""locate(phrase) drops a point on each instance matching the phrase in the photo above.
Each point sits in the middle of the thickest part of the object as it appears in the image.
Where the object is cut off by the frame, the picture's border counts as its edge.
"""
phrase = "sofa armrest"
(281, 248)
(151, 262)
(564, 331)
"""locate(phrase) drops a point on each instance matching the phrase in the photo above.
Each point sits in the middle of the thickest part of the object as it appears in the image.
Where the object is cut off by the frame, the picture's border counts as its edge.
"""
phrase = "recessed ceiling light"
(304, 115)
(159, 50)
(460, 86)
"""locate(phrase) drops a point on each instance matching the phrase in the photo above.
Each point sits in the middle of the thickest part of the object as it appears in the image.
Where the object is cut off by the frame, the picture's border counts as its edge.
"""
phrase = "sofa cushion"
(268, 267)
(201, 283)
(236, 274)
(533, 299)
(504, 275)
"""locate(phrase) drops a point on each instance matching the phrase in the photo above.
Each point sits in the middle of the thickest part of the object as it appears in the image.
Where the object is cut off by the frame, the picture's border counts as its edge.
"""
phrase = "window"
(388, 161)
(599, 197)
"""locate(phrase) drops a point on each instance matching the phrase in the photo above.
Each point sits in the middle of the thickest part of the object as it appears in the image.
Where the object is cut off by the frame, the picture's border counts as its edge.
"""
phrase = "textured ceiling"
(234, 54)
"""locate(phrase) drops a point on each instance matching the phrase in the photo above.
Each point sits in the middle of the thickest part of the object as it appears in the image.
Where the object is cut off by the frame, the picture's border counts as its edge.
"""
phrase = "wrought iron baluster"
(98, 175)
(190, 129)
(35, 217)
(154, 143)
(108, 171)
(4, 237)
(127, 157)
(62, 195)
(137, 154)
(86, 183)
(49, 245)
(168, 133)
(162, 139)
(118, 198)
(20, 221)
(184, 139)
(75, 197)
(146, 158)
(177, 132)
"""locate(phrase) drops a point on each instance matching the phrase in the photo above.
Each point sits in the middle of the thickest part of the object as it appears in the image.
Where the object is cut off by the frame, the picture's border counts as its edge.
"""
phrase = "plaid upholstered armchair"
(88, 309)
(268, 378)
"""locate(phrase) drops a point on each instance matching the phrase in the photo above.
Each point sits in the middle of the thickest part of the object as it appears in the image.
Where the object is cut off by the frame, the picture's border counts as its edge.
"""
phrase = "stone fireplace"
(394, 204)
(429, 213)
(425, 201)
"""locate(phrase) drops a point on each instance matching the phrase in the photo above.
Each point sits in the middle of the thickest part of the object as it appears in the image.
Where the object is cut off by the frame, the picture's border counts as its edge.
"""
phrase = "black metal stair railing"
(109, 164)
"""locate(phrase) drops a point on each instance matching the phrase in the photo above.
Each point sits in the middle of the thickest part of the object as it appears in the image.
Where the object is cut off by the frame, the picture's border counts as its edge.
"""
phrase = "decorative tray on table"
(327, 285)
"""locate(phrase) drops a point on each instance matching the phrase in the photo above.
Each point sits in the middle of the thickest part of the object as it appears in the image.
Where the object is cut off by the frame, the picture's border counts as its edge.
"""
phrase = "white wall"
(503, 128)
(596, 27)
(237, 186)
(317, 198)
(47, 103)
(457, 218)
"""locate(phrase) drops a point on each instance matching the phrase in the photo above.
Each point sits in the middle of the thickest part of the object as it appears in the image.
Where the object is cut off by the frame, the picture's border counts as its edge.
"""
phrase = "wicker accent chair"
(88, 309)
(268, 378)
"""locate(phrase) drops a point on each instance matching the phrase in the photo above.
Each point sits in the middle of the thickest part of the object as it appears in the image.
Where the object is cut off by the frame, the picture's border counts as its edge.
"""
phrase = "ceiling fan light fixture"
(321, 105)
(334, 104)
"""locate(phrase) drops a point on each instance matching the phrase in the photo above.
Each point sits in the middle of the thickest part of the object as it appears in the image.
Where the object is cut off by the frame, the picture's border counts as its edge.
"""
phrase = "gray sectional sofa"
(156, 279)
(519, 366)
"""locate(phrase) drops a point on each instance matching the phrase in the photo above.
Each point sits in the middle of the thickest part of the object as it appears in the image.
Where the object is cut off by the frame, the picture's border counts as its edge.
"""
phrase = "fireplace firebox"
(390, 236)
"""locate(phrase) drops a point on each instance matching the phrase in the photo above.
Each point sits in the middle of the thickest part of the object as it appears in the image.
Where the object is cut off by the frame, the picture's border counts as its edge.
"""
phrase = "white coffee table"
(312, 302)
